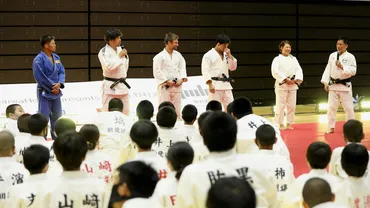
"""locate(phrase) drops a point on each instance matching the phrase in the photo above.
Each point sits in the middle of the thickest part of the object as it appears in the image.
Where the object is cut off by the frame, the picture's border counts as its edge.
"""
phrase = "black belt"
(224, 78)
(116, 81)
(339, 81)
(291, 78)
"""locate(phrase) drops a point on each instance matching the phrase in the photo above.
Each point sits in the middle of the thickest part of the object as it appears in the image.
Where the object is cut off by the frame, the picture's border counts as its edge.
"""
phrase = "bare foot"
(289, 127)
(282, 127)
(330, 131)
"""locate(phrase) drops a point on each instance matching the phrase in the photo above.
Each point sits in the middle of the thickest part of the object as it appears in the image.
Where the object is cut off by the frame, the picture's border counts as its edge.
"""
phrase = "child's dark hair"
(180, 155)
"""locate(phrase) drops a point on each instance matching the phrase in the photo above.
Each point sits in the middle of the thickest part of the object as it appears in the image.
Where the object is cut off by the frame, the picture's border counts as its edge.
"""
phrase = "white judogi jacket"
(335, 166)
(113, 127)
(197, 179)
(113, 67)
(27, 194)
(166, 67)
(11, 173)
(166, 190)
(279, 168)
(75, 187)
(247, 127)
(31, 141)
(99, 165)
(155, 161)
(349, 69)
(214, 66)
(191, 132)
(354, 192)
(11, 126)
(286, 67)
(293, 197)
(167, 137)
(20, 142)
(140, 202)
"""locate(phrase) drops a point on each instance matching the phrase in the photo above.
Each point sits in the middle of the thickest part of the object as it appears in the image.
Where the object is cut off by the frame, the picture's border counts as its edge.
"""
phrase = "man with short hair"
(49, 74)
(169, 70)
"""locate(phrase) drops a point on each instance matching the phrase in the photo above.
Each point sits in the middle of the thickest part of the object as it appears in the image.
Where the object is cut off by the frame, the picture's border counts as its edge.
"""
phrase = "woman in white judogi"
(179, 156)
(96, 162)
(288, 74)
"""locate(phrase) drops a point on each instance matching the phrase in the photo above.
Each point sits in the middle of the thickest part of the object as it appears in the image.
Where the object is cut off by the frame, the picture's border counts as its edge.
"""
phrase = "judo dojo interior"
(255, 28)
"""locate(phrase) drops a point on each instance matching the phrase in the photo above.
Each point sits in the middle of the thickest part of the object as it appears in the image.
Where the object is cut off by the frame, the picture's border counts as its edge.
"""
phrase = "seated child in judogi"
(144, 133)
(354, 191)
(11, 171)
(96, 163)
(73, 187)
(318, 157)
(36, 160)
(231, 192)
(135, 185)
(179, 156)
(12, 113)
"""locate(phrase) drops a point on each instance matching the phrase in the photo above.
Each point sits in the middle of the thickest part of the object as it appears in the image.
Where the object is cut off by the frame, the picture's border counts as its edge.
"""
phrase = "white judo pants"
(344, 97)
(285, 99)
(225, 97)
(125, 99)
(173, 95)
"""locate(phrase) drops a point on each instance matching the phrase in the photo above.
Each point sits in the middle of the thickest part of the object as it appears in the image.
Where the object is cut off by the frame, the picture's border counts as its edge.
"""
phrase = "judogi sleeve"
(61, 75)
(276, 72)
(157, 67)
(232, 63)
(326, 76)
(183, 68)
(350, 69)
(40, 76)
(298, 71)
(110, 62)
(206, 67)
(334, 158)
(185, 196)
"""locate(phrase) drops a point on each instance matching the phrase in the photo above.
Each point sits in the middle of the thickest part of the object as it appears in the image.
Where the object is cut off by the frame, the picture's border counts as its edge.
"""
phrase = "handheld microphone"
(123, 47)
(337, 55)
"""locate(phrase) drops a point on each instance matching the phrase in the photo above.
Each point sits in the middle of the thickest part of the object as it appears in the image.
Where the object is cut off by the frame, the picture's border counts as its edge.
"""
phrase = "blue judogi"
(46, 75)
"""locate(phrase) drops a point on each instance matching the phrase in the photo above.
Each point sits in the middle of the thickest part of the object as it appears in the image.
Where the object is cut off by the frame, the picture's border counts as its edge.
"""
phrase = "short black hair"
(112, 34)
(214, 105)
(201, 119)
(316, 191)
(11, 109)
(166, 103)
(354, 160)
(231, 192)
(140, 178)
(166, 117)
(46, 39)
(70, 150)
(90, 133)
(37, 123)
(169, 37)
(344, 39)
(318, 155)
(353, 131)
(180, 155)
(229, 108)
(222, 39)
(145, 110)
(144, 133)
(35, 158)
(63, 125)
(189, 113)
(22, 123)
(115, 104)
(241, 107)
(219, 131)
(266, 135)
